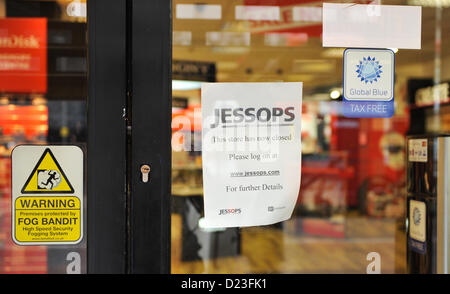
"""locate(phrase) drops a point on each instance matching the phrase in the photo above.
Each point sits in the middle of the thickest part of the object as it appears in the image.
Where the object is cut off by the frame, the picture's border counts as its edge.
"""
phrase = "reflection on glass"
(270, 13)
(227, 39)
(43, 89)
(198, 11)
(351, 202)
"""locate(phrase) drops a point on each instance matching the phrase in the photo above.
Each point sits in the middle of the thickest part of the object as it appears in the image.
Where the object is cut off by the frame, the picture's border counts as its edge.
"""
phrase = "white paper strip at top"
(372, 26)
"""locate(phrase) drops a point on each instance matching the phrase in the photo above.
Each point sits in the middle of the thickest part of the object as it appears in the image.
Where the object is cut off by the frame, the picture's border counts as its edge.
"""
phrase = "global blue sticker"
(368, 87)
(368, 109)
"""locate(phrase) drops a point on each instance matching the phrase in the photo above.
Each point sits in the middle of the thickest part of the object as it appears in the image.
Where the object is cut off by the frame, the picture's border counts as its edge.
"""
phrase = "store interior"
(352, 196)
(43, 93)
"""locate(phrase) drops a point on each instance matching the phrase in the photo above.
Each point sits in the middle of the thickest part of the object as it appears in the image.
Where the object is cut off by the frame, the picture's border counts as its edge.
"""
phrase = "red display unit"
(23, 55)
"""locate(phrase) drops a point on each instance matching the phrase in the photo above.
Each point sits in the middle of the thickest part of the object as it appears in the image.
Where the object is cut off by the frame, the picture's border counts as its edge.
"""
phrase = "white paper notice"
(372, 26)
(417, 220)
(418, 150)
(251, 152)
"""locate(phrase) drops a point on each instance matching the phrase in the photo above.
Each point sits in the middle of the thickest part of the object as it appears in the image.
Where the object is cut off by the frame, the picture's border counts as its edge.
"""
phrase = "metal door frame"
(150, 116)
(129, 124)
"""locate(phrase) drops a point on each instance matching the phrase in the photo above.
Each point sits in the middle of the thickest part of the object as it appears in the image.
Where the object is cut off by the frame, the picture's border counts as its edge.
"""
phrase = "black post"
(151, 135)
(106, 154)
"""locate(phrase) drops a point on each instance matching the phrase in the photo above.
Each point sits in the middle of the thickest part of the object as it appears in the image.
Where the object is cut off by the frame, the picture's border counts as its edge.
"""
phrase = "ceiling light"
(227, 38)
(198, 11)
(259, 13)
(395, 50)
(335, 94)
(76, 9)
(178, 85)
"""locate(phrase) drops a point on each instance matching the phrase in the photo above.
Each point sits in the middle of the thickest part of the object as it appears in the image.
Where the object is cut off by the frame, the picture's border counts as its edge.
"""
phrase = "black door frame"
(151, 114)
(129, 124)
(106, 151)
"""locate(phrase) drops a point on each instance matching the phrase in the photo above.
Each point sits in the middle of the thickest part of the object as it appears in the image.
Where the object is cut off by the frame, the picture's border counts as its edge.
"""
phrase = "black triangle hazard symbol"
(47, 177)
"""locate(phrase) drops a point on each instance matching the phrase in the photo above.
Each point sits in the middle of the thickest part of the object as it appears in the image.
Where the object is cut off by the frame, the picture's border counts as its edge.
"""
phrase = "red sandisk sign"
(23, 55)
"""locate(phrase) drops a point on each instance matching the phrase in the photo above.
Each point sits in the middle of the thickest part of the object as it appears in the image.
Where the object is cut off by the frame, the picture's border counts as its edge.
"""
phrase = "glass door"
(351, 205)
(43, 77)
(122, 80)
(62, 82)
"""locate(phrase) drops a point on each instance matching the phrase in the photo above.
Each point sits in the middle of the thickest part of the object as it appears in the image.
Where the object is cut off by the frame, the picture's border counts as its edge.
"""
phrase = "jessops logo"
(369, 70)
(230, 211)
(227, 116)
(231, 127)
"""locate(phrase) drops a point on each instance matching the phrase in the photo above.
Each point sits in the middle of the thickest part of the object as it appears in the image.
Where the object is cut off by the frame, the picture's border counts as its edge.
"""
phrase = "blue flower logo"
(368, 70)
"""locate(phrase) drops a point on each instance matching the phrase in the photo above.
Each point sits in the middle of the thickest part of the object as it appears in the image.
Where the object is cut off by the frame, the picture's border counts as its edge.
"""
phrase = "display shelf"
(186, 167)
(183, 190)
(429, 105)
(329, 171)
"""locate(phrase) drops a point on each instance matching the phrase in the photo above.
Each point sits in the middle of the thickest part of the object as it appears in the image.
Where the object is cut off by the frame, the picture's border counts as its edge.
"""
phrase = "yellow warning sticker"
(47, 177)
(47, 219)
(47, 195)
